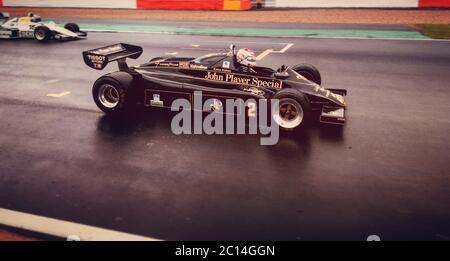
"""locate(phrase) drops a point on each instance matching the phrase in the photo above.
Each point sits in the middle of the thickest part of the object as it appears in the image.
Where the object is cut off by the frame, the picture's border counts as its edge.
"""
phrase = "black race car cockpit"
(224, 61)
(228, 61)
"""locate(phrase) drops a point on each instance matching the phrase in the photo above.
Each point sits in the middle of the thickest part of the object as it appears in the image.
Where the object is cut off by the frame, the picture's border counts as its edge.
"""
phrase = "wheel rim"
(40, 35)
(108, 96)
(290, 114)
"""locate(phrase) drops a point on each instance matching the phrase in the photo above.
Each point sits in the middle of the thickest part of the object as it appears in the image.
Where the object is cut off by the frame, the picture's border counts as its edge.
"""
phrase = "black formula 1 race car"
(219, 77)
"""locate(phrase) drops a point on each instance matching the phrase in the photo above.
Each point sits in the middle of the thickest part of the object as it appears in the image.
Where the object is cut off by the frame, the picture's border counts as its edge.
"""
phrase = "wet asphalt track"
(386, 173)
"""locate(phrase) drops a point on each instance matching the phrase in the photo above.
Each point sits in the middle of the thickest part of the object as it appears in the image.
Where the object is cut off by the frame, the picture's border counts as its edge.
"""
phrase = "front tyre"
(112, 96)
(308, 71)
(72, 27)
(42, 33)
(293, 110)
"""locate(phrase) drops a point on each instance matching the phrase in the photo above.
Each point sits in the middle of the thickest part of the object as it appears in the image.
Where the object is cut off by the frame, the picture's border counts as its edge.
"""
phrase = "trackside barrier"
(136, 4)
(223, 4)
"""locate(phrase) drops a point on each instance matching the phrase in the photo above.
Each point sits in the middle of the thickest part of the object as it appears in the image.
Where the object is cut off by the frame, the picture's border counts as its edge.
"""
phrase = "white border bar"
(64, 229)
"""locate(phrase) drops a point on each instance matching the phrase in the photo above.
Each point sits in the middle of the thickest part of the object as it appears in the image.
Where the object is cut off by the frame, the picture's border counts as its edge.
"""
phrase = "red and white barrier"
(363, 3)
(180, 4)
(194, 4)
(434, 3)
(130, 4)
(136, 4)
(222, 4)
(347, 3)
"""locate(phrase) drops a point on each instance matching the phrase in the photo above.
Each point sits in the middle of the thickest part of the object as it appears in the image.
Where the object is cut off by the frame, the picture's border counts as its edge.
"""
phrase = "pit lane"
(386, 173)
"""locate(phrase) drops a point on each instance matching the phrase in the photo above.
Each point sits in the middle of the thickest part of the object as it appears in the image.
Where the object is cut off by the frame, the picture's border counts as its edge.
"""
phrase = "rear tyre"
(294, 109)
(113, 95)
(156, 59)
(72, 27)
(42, 33)
(161, 58)
(308, 71)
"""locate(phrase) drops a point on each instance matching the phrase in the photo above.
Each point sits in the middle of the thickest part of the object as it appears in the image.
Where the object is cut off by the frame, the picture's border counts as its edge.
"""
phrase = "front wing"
(333, 114)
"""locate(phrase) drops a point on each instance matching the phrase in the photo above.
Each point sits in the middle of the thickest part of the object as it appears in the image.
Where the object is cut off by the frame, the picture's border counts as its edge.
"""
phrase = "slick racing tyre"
(308, 71)
(294, 109)
(113, 94)
(161, 57)
(72, 27)
(42, 33)
(155, 59)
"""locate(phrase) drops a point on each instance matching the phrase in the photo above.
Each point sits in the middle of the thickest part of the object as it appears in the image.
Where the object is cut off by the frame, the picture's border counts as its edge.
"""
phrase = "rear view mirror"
(4, 15)
(233, 49)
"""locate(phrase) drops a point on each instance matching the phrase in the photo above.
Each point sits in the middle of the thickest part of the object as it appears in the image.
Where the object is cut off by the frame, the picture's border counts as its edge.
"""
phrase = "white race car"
(31, 26)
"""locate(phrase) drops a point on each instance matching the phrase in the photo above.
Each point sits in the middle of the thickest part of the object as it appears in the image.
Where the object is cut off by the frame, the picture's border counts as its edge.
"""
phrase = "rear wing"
(100, 57)
(4, 15)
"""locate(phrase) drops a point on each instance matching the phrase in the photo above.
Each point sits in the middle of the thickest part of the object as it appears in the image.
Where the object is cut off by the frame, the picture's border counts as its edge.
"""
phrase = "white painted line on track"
(269, 51)
(58, 95)
(64, 229)
(52, 81)
(288, 45)
(263, 54)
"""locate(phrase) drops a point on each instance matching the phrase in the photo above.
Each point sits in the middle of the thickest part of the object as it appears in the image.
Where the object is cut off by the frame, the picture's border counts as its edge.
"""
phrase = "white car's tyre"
(42, 33)
(72, 27)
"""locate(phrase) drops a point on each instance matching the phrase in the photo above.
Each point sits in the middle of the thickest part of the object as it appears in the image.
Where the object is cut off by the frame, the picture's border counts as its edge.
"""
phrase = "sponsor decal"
(183, 64)
(156, 101)
(244, 80)
(5, 33)
(107, 50)
(222, 70)
(198, 66)
(328, 94)
(216, 105)
(169, 64)
(27, 34)
(226, 64)
(96, 58)
(254, 90)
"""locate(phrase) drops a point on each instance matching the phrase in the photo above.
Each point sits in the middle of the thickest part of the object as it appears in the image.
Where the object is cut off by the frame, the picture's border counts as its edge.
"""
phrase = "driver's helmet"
(246, 57)
(34, 18)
